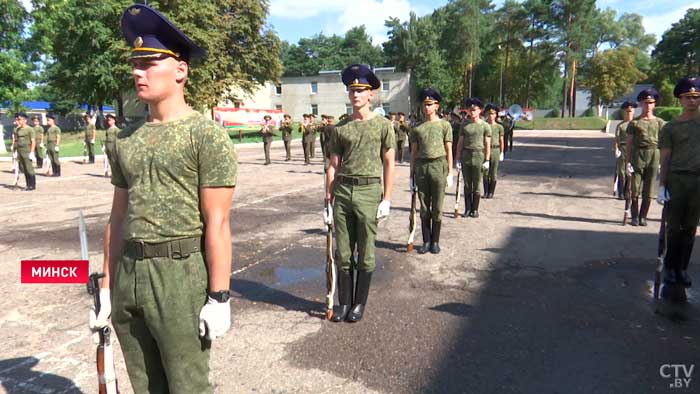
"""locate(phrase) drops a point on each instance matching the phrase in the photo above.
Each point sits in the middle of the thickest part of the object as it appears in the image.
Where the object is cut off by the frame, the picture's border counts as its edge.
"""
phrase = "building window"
(348, 109)
(278, 107)
(314, 87)
(386, 107)
(314, 109)
(278, 89)
(385, 85)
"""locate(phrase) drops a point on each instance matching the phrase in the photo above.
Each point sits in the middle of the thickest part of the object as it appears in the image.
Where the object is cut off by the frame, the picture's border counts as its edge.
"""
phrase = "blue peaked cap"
(360, 76)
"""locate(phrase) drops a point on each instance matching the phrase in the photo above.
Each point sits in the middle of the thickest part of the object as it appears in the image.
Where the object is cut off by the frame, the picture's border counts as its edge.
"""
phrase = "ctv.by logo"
(680, 374)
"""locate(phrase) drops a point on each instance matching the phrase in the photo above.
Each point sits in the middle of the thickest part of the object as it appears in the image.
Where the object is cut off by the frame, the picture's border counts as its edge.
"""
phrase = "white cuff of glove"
(32, 157)
(92, 141)
(383, 209)
(618, 153)
(501, 157)
(41, 145)
(450, 181)
(56, 148)
(459, 165)
(411, 184)
(487, 165)
(214, 319)
(630, 168)
(328, 215)
(100, 320)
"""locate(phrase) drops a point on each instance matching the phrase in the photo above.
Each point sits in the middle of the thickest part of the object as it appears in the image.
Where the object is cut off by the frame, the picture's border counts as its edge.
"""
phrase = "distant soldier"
(474, 146)
(643, 155)
(326, 133)
(497, 149)
(110, 139)
(24, 141)
(620, 148)
(456, 123)
(90, 135)
(401, 133)
(508, 127)
(314, 129)
(679, 182)
(431, 166)
(39, 135)
(53, 141)
(286, 129)
(307, 136)
(320, 130)
(362, 150)
(268, 131)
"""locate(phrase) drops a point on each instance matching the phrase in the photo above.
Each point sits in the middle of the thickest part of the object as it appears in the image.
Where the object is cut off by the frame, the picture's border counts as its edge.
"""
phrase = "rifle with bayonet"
(628, 198)
(331, 272)
(660, 252)
(106, 374)
(457, 196)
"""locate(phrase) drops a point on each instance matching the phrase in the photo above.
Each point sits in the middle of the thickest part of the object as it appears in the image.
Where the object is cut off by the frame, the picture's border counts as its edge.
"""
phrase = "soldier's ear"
(181, 71)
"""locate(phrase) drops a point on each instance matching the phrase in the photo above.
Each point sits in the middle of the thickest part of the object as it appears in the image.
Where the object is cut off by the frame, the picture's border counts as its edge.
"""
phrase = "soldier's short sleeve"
(336, 148)
(32, 134)
(388, 137)
(58, 130)
(446, 132)
(118, 178)
(412, 138)
(487, 130)
(217, 158)
(665, 140)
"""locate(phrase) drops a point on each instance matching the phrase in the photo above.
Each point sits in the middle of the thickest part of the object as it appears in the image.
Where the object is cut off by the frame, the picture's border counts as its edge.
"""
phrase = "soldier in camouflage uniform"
(90, 135)
(168, 241)
(24, 141)
(362, 150)
(679, 182)
(401, 137)
(314, 127)
(431, 165)
(326, 133)
(475, 147)
(307, 135)
(39, 135)
(110, 137)
(643, 155)
(497, 149)
(53, 138)
(268, 131)
(286, 129)
(620, 148)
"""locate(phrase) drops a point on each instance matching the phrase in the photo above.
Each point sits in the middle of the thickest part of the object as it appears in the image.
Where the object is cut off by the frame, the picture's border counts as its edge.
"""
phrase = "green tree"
(613, 74)
(681, 44)
(15, 64)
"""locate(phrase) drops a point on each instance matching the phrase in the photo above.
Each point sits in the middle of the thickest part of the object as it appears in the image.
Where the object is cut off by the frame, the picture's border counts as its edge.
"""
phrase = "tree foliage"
(15, 64)
(615, 74)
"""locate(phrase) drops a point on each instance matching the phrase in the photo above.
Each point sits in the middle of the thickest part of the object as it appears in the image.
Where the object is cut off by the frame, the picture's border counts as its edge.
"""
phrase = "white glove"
(328, 215)
(100, 320)
(92, 141)
(459, 165)
(56, 148)
(663, 195)
(411, 184)
(618, 153)
(501, 157)
(630, 169)
(450, 180)
(103, 148)
(383, 210)
(14, 155)
(32, 157)
(486, 165)
(214, 319)
(41, 145)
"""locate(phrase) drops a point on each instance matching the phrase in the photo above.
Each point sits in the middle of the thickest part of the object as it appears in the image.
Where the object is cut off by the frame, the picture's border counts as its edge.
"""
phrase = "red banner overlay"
(55, 271)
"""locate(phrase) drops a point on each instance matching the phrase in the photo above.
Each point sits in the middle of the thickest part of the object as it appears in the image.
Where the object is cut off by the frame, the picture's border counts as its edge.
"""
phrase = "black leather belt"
(359, 181)
(177, 249)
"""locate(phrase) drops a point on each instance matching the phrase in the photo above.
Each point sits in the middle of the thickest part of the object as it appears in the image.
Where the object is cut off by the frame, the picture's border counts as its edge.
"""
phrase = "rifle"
(330, 262)
(106, 376)
(660, 252)
(105, 162)
(412, 222)
(457, 197)
(15, 168)
(628, 199)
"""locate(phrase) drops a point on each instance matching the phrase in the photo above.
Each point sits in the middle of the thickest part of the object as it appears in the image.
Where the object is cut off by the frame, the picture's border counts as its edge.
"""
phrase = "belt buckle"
(177, 254)
(140, 249)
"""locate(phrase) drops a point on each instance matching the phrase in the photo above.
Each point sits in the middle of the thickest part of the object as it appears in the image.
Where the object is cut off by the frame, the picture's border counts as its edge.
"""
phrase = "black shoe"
(435, 238)
(670, 277)
(475, 205)
(634, 222)
(684, 279)
(340, 313)
(635, 212)
(466, 214)
(435, 248)
(475, 214)
(425, 248)
(425, 229)
(643, 222)
(364, 279)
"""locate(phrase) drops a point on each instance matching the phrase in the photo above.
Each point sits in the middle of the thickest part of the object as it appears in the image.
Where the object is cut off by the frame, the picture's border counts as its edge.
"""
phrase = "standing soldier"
(39, 135)
(110, 138)
(679, 182)
(268, 131)
(90, 134)
(643, 155)
(497, 149)
(431, 167)
(286, 129)
(401, 137)
(53, 138)
(314, 129)
(24, 141)
(475, 147)
(326, 133)
(307, 137)
(620, 148)
(362, 150)
(508, 126)
(168, 241)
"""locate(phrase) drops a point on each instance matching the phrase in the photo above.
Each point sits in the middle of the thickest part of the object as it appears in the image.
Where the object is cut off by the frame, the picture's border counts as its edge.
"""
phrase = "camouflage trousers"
(491, 174)
(683, 216)
(52, 154)
(431, 177)
(267, 141)
(472, 171)
(25, 165)
(355, 217)
(646, 167)
(155, 313)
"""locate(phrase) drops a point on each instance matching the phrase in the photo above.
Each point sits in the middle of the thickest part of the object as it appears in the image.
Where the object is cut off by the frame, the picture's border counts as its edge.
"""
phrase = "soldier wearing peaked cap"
(307, 136)
(497, 149)
(53, 138)
(362, 151)
(39, 135)
(643, 155)
(167, 242)
(474, 146)
(620, 148)
(90, 134)
(431, 166)
(24, 142)
(268, 131)
(110, 137)
(679, 182)
(286, 129)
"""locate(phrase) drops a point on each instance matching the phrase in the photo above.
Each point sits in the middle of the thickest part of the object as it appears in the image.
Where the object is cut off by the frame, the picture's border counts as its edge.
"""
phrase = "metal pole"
(500, 90)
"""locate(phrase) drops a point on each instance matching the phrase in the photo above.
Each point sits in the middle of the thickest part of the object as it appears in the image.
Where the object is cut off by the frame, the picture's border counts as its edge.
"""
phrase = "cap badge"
(138, 42)
(355, 81)
(134, 11)
(692, 89)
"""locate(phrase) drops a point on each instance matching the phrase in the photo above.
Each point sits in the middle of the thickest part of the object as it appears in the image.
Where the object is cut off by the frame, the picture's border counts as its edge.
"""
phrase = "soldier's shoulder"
(342, 123)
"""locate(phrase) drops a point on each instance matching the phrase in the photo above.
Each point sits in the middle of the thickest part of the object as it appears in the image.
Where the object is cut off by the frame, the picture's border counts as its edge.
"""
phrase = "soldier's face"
(492, 116)
(360, 98)
(648, 106)
(690, 103)
(159, 78)
(430, 109)
(36, 122)
(49, 121)
(474, 113)
(21, 122)
(110, 122)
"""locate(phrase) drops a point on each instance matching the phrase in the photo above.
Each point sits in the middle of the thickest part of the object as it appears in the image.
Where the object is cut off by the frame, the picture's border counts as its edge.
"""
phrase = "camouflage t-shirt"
(431, 137)
(403, 131)
(683, 139)
(23, 136)
(497, 132)
(621, 133)
(474, 134)
(89, 129)
(52, 134)
(163, 166)
(645, 132)
(111, 135)
(38, 131)
(361, 145)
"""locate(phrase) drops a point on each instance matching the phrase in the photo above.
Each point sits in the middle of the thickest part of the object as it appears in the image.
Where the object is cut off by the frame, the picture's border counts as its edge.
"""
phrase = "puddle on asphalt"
(285, 276)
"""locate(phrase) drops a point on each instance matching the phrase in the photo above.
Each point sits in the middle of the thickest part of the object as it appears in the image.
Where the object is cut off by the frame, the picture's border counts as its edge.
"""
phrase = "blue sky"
(293, 19)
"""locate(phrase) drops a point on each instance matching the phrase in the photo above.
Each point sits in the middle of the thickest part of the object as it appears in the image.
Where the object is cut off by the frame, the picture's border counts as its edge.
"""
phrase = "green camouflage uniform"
(474, 134)
(360, 145)
(89, 145)
(110, 140)
(621, 162)
(491, 175)
(267, 141)
(308, 135)
(157, 300)
(38, 133)
(315, 127)
(645, 156)
(683, 185)
(51, 138)
(23, 144)
(325, 138)
(431, 166)
(287, 138)
(401, 138)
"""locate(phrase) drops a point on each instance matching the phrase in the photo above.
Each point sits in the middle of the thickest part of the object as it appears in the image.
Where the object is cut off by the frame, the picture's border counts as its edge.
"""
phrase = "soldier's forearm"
(218, 253)
(389, 173)
(112, 250)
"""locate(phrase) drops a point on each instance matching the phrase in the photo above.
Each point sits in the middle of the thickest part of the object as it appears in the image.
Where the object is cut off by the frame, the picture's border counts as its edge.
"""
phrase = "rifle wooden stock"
(331, 272)
(106, 375)
(628, 199)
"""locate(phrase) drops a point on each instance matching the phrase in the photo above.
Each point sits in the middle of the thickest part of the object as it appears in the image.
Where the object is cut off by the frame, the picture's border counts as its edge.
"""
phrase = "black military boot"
(620, 188)
(492, 189)
(688, 242)
(344, 296)
(635, 212)
(425, 228)
(435, 244)
(31, 182)
(58, 170)
(467, 203)
(486, 187)
(364, 279)
(643, 212)
(475, 207)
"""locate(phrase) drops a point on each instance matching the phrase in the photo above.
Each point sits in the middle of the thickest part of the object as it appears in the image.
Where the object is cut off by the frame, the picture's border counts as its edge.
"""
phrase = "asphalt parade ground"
(546, 292)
